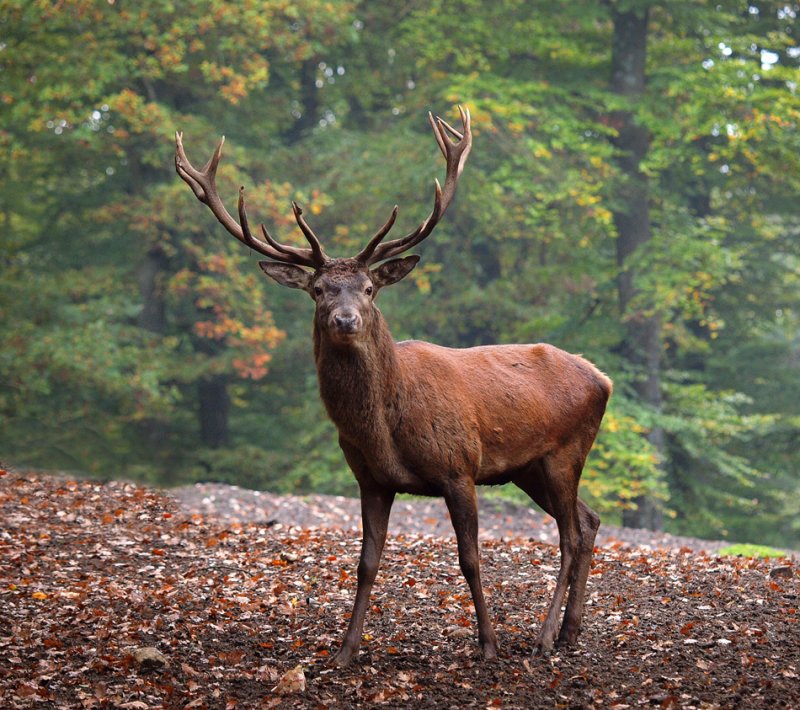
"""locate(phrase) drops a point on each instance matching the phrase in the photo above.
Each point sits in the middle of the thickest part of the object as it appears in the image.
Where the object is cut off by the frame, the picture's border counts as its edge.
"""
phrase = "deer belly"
(433, 459)
(399, 478)
(507, 450)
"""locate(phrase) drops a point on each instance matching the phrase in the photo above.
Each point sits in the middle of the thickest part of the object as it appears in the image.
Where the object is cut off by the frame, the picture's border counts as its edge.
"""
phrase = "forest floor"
(114, 595)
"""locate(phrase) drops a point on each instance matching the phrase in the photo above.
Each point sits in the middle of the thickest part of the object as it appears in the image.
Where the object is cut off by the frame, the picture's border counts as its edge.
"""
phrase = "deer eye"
(317, 291)
(368, 290)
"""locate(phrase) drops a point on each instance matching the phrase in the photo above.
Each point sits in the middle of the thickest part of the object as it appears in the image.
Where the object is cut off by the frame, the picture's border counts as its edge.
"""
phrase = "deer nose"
(346, 322)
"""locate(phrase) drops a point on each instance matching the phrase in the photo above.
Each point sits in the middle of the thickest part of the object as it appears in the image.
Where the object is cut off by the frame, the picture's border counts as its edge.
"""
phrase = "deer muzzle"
(346, 323)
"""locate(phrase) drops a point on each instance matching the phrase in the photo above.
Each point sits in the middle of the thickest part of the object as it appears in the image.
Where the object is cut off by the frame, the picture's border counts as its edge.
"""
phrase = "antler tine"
(271, 246)
(204, 186)
(452, 130)
(180, 161)
(456, 155)
(437, 134)
(365, 254)
(203, 183)
(316, 247)
(288, 253)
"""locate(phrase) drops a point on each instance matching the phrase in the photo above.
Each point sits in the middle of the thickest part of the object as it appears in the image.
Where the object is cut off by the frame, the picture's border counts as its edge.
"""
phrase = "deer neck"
(360, 383)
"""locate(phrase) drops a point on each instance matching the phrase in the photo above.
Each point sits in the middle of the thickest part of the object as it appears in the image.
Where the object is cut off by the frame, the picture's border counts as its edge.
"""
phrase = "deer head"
(343, 288)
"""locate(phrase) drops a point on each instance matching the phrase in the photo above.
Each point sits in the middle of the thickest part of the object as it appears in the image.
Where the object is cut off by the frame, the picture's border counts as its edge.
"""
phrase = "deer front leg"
(376, 505)
(463, 506)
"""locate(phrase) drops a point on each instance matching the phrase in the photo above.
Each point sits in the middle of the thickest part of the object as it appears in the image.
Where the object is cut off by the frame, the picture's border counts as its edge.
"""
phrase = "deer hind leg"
(553, 484)
(589, 522)
(462, 503)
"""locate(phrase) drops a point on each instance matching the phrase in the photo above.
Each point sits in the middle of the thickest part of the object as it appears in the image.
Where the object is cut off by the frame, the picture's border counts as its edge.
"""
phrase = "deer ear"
(392, 271)
(288, 274)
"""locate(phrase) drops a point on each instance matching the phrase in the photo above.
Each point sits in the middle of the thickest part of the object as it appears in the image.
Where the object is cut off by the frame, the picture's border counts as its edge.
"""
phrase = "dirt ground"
(119, 596)
(499, 518)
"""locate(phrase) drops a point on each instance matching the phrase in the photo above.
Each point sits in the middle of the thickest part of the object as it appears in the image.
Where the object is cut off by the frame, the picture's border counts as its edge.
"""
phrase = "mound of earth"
(499, 519)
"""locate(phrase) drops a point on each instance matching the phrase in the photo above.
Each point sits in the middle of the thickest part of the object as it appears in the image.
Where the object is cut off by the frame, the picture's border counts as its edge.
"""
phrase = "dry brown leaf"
(292, 682)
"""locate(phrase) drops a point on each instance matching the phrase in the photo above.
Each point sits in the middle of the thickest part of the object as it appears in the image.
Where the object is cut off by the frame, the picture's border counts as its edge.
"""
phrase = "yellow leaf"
(39, 595)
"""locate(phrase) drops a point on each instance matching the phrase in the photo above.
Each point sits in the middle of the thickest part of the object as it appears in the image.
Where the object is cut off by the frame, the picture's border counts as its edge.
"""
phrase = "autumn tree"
(93, 96)
(631, 195)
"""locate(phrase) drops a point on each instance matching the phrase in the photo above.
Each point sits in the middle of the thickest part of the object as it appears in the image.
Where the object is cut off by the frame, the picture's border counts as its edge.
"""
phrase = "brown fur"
(414, 417)
(418, 418)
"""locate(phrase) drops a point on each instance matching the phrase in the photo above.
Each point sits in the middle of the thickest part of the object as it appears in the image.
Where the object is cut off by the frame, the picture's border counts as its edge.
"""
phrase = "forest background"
(632, 195)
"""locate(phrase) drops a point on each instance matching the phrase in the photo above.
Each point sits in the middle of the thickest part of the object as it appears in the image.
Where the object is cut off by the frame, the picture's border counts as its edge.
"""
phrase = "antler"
(204, 185)
(456, 156)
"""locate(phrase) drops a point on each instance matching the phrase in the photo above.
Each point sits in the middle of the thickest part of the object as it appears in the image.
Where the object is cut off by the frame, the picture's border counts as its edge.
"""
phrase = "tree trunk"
(642, 346)
(309, 102)
(151, 274)
(214, 407)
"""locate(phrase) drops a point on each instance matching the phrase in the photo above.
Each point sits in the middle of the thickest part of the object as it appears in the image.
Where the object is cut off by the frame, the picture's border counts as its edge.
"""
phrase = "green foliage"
(120, 298)
(744, 550)
(715, 486)
(623, 465)
(72, 357)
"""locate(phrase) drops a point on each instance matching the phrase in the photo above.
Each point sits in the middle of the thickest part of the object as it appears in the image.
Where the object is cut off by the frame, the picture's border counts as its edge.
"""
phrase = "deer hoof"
(568, 637)
(543, 646)
(489, 652)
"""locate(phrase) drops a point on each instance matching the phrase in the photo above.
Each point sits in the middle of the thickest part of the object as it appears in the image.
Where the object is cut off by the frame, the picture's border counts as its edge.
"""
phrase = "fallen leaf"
(149, 658)
(458, 632)
(292, 682)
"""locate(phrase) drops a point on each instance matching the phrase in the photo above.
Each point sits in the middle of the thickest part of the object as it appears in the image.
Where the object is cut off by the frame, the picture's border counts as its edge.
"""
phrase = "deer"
(415, 417)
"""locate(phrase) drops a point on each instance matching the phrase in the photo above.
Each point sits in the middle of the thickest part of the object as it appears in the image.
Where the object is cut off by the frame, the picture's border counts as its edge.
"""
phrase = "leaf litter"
(114, 595)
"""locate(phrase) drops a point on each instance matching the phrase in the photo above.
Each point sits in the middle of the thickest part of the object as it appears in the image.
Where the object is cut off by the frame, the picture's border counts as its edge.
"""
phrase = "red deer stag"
(414, 417)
